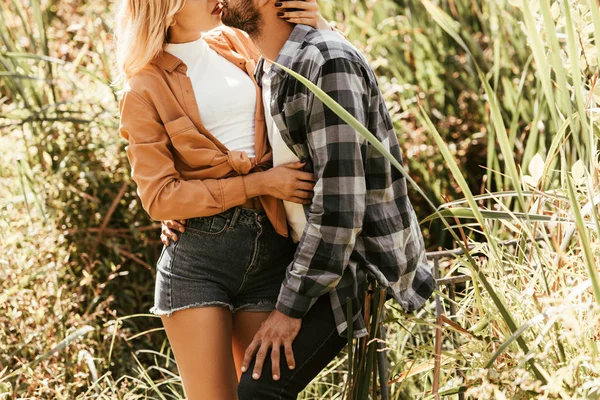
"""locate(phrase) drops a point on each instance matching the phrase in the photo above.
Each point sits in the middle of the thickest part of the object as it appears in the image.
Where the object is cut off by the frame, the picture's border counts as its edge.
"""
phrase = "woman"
(192, 114)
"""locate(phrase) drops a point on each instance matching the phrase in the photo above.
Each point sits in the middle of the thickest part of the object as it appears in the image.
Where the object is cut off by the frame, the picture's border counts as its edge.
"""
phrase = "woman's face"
(198, 16)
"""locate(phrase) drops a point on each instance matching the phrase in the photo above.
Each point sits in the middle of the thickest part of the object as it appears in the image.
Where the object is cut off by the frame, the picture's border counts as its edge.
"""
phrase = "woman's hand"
(304, 12)
(286, 182)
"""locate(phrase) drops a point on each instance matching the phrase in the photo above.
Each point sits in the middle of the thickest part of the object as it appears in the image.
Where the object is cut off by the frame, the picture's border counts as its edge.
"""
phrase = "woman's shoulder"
(149, 82)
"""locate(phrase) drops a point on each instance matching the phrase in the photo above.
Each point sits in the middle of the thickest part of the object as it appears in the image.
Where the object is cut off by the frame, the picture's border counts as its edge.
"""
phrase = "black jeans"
(317, 343)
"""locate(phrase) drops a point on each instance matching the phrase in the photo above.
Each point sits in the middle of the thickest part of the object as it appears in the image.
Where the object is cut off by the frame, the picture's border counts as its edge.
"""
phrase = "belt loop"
(234, 218)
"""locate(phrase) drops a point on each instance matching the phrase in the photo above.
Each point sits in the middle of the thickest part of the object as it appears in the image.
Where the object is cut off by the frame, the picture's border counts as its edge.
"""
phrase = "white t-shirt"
(225, 94)
(281, 155)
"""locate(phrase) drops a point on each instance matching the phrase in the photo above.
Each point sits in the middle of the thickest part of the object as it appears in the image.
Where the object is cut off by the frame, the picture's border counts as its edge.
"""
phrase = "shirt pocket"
(179, 126)
(190, 145)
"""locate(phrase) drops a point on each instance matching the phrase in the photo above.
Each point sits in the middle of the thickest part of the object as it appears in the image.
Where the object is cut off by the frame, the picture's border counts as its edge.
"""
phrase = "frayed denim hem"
(159, 312)
(263, 306)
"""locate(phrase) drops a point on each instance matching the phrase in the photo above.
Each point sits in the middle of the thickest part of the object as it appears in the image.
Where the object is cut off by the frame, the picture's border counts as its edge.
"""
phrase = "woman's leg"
(201, 342)
(245, 325)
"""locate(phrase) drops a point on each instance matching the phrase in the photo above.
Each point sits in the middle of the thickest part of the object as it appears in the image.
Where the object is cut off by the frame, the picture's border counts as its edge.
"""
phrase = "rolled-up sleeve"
(164, 194)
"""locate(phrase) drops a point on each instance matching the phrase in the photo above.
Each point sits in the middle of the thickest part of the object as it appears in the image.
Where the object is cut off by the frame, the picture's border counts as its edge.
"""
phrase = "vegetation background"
(496, 103)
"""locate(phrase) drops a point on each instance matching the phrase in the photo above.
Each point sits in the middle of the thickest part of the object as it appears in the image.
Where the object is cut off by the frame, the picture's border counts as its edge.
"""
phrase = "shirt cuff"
(293, 304)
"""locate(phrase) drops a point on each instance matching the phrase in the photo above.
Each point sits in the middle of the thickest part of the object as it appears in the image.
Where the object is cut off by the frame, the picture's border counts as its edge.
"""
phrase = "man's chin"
(230, 23)
(244, 17)
(228, 20)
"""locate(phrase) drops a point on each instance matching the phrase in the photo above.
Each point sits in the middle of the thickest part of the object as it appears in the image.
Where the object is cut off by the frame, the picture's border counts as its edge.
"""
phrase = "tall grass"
(531, 368)
(76, 249)
(496, 107)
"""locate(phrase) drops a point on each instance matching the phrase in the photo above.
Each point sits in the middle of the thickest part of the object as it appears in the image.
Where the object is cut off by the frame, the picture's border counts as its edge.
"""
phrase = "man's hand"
(169, 230)
(278, 330)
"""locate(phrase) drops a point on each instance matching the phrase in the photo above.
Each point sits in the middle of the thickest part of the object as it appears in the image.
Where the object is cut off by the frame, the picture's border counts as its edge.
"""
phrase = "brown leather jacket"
(181, 170)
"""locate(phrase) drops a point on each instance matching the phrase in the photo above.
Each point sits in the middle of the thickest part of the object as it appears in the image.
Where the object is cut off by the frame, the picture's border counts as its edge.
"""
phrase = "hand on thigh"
(317, 343)
(245, 326)
(201, 342)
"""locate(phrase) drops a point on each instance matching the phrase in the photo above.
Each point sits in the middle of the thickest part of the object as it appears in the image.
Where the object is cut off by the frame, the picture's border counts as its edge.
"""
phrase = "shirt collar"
(291, 47)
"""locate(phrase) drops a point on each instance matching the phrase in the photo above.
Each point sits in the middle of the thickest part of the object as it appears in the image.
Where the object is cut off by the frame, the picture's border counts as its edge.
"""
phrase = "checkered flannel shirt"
(361, 222)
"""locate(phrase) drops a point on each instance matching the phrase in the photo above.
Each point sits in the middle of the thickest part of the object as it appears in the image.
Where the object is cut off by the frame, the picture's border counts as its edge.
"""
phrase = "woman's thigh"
(201, 342)
(245, 326)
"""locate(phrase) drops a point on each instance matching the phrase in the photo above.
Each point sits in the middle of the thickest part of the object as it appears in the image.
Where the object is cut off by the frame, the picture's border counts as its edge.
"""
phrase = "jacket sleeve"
(164, 194)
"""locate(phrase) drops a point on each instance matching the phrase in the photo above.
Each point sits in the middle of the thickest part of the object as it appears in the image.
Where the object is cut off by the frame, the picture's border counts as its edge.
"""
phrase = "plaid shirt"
(361, 221)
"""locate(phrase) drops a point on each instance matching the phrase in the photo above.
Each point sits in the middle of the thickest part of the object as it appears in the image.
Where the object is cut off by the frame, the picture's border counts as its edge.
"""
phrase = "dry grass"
(487, 98)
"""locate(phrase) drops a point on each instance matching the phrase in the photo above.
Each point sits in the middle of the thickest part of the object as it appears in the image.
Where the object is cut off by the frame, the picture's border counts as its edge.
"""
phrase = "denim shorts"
(235, 259)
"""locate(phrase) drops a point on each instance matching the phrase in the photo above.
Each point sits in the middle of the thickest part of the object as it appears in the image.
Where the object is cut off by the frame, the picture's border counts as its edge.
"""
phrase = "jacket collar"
(167, 61)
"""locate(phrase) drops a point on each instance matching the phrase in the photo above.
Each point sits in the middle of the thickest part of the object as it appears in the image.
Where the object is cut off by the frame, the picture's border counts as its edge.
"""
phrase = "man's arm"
(336, 215)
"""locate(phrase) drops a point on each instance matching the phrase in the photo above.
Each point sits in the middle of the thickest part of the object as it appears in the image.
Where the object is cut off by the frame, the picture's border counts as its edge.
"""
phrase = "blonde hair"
(141, 32)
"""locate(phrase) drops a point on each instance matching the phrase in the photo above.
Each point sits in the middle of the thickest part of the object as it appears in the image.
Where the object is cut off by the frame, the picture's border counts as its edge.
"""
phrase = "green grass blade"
(499, 215)
(587, 141)
(502, 137)
(451, 27)
(585, 241)
(564, 96)
(539, 54)
(536, 320)
(595, 8)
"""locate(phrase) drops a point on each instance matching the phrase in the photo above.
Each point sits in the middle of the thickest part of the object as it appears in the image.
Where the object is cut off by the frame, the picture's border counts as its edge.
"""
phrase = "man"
(360, 222)
(360, 225)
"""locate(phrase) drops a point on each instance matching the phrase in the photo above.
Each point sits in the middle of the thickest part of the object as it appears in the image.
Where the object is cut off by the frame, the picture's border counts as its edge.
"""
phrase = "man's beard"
(245, 16)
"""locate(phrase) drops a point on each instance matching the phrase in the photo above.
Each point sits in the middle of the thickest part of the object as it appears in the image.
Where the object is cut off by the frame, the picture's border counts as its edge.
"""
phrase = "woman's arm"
(163, 193)
(165, 196)
(287, 182)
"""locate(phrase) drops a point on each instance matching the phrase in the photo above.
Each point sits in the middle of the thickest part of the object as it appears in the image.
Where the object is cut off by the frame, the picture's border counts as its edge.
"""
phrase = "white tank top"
(282, 155)
(225, 94)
